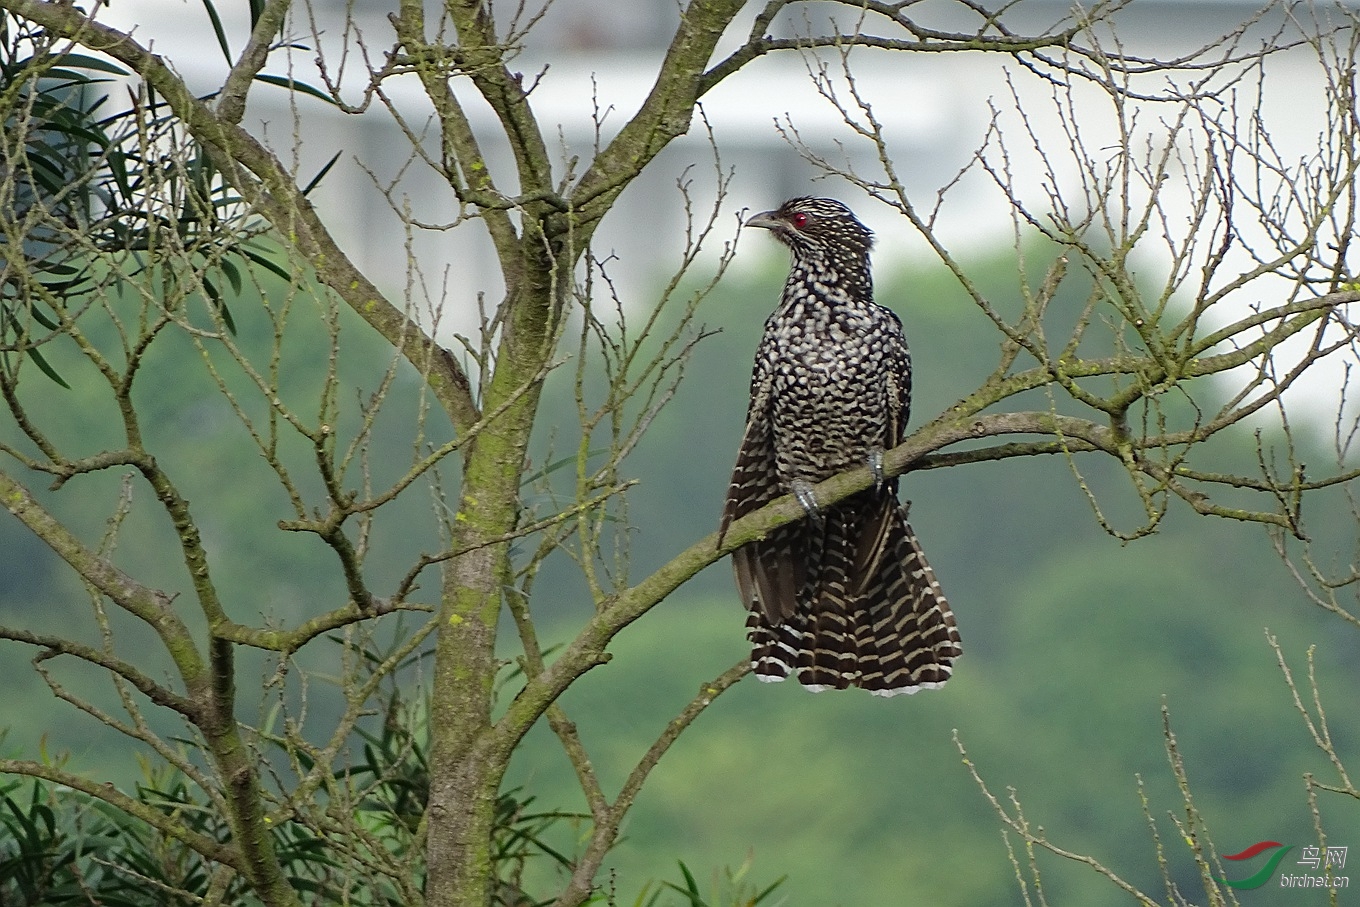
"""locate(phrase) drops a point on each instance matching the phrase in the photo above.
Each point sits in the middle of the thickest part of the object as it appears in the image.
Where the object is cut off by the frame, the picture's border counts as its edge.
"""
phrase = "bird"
(844, 596)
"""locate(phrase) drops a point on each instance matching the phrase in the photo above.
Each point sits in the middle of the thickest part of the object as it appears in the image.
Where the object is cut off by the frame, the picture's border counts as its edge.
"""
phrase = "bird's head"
(817, 228)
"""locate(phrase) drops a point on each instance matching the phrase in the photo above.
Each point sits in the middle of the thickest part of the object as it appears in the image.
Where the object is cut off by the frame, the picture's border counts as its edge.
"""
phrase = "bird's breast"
(830, 390)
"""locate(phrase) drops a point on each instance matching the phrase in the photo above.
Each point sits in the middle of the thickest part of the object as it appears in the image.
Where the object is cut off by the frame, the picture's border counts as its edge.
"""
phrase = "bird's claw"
(803, 492)
(876, 466)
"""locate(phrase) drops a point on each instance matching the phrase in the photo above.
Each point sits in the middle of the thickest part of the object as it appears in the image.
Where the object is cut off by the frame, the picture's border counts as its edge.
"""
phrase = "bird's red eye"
(799, 219)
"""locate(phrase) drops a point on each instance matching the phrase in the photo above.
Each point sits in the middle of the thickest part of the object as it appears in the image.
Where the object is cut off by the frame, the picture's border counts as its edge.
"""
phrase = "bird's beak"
(766, 219)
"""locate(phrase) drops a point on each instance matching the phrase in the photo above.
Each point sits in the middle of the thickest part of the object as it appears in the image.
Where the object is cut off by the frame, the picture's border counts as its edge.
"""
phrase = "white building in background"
(588, 57)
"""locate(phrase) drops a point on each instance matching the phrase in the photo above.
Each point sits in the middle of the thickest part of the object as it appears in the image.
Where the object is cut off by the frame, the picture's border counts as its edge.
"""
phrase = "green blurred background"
(1073, 641)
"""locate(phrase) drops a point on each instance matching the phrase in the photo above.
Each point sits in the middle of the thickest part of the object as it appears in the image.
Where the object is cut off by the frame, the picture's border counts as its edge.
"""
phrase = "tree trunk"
(465, 769)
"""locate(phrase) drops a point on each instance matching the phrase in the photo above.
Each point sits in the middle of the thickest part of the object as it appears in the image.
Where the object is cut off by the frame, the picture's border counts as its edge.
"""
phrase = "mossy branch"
(167, 824)
(57, 645)
(270, 189)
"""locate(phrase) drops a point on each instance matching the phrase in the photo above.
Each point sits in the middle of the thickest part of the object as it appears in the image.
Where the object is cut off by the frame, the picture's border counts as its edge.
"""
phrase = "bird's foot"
(803, 492)
(876, 466)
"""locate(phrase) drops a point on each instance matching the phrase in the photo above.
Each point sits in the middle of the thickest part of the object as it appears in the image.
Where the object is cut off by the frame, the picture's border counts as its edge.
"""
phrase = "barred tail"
(869, 612)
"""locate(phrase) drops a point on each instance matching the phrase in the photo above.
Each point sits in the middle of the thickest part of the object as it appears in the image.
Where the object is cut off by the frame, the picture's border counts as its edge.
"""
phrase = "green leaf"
(33, 352)
(220, 304)
(117, 162)
(218, 29)
(233, 275)
(294, 85)
(57, 79)
(770, 890)
(41, 317)
(45, 367)
(691, 889)
(322, 173)
(85, 61)
(558, 464)
(270, 266)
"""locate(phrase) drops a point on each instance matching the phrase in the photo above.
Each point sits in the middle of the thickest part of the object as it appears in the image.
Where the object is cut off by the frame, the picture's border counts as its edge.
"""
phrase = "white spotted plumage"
(848, 599)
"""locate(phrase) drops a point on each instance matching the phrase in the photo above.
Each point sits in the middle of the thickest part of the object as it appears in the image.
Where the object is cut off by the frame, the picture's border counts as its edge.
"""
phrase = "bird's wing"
(899, 385)
(754, 478)
(769, 571)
